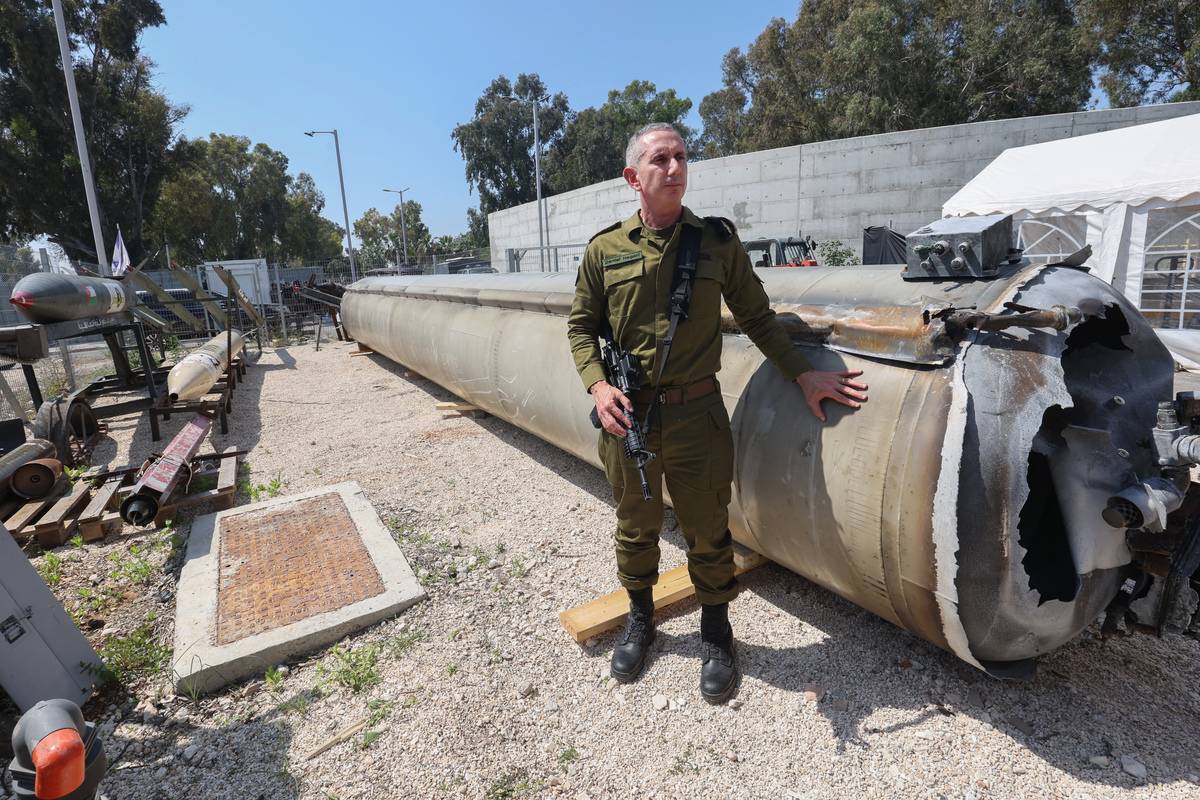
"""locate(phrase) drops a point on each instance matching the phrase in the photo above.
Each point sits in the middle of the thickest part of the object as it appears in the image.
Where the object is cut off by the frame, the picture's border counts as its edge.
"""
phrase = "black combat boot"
(629, 654)
(718, 673)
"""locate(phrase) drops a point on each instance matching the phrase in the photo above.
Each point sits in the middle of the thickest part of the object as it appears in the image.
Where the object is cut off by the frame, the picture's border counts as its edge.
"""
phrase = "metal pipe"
(345, 209)
(537, 171)
(85, 161)
(403, 222)
(21, 455)
(923, 505)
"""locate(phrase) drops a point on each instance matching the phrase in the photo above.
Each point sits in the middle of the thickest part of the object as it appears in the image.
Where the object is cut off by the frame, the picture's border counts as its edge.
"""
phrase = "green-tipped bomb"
(54, 297)
(195, 374)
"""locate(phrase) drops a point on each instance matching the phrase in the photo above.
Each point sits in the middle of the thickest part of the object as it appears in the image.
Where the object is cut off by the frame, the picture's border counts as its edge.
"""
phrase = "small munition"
(54, 297)
(196, 372)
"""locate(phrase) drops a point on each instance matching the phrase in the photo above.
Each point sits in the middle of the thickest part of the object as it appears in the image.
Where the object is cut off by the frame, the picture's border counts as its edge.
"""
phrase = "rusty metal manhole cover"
(287, 563)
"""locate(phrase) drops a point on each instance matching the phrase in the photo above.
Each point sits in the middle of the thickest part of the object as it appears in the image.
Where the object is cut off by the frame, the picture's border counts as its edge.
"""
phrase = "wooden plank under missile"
(236, 290)
(176, 308)
(207, 300)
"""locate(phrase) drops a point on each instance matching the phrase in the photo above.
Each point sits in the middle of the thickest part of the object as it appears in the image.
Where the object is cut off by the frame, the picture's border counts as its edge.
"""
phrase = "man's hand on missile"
(838, 386)
(611, 403)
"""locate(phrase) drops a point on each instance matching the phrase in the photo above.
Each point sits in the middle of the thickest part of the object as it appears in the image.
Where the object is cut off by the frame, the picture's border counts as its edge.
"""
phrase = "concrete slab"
(267, 581)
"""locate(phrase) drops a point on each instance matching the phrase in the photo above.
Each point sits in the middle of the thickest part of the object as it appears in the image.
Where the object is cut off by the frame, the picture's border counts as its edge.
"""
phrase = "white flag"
(120, 261)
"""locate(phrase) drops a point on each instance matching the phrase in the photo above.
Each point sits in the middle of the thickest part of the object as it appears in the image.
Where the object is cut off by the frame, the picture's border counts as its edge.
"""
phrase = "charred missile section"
(1019, 471)
(196, 372)
(53, 297)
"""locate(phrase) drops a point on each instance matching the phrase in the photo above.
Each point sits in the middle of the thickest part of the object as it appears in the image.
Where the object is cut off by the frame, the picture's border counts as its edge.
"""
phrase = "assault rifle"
(622, 370)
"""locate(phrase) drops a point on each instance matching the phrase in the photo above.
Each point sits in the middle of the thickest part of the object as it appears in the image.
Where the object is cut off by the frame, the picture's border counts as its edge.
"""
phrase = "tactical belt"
(679, 394)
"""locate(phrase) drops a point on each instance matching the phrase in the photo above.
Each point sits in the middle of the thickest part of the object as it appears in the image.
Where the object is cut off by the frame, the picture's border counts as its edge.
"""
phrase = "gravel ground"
(480, 693)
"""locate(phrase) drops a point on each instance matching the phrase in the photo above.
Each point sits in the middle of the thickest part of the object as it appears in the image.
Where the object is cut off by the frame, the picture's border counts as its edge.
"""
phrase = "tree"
(129, 127)
(592, 147)
(497, 144)
(477, 230)
(1149, 49)
(858, 67)
(374, 233)
(381, 235)
(306, 235)
(228, 199)
(723, 112)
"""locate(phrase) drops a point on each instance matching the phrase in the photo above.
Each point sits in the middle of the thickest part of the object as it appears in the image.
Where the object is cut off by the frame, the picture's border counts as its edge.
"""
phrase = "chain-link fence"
(192, 304)
(551, 258)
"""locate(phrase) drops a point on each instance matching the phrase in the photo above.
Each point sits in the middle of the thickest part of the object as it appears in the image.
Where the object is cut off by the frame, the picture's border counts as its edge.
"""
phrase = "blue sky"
(395, 78)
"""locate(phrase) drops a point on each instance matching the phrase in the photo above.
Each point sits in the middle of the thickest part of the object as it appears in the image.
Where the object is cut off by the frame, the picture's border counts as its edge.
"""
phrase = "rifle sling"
(681, 298)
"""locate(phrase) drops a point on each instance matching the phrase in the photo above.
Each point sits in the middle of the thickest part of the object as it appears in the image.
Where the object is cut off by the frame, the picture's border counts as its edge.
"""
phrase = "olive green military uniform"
(626, 275)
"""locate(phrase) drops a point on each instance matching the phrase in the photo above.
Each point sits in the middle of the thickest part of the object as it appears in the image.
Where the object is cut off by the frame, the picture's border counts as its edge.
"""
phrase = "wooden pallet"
(97, 521)
(608, 612)
(101, 517)
(59, 522)
(20, 522)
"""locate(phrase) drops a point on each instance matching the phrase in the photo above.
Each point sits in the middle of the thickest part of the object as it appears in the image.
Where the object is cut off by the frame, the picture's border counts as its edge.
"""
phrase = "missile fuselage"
(962, 502)
(46, 297)
(196, 372)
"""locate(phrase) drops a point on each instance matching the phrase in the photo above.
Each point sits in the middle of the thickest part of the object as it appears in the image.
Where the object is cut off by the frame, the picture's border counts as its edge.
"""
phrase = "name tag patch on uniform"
(621, 258)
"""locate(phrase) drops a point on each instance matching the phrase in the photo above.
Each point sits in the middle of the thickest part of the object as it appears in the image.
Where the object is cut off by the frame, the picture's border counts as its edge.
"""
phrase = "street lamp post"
(537, 172)
(543, 233)
(345, 210)
(403, 224)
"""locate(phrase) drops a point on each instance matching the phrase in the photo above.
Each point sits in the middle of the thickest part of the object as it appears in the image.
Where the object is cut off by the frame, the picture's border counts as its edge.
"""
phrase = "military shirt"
(626, 274)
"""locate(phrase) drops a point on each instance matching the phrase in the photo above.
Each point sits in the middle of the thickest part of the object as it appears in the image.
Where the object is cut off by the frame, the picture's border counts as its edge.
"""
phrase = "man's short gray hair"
(636, 148)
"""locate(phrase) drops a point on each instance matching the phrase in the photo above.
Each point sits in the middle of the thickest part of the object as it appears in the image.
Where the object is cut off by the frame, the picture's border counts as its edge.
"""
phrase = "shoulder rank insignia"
(621, 258)
(603, 231)
(725, 228)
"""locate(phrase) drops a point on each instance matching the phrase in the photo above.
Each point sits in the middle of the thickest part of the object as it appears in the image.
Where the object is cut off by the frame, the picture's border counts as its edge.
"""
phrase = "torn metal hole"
(1043, 534)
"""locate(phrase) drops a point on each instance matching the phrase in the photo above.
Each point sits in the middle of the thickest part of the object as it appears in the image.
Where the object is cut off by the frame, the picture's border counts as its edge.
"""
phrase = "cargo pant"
(693, 448)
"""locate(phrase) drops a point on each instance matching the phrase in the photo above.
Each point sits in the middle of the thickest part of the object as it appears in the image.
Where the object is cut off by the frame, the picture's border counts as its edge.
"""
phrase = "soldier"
(626, 278)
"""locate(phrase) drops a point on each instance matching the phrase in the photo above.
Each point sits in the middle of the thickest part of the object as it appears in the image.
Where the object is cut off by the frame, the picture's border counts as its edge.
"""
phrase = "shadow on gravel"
(1133, 696)
(232, 759)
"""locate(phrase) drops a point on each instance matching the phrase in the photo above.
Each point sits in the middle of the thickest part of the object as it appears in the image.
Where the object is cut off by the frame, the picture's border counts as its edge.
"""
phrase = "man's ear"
(631, 177)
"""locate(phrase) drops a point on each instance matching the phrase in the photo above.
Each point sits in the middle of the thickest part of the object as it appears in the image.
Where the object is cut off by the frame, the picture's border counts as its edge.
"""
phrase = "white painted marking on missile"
(945, 513)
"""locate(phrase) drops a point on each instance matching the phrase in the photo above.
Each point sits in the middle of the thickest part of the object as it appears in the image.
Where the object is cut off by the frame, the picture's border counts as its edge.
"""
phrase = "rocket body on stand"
(195, 374)
(54, 297)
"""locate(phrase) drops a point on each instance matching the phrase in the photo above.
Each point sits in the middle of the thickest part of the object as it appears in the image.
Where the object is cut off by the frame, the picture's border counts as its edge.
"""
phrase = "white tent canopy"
(1132, 193)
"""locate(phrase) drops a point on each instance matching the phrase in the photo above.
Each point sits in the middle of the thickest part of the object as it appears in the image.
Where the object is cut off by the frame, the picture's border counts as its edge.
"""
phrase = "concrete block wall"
(828, 190)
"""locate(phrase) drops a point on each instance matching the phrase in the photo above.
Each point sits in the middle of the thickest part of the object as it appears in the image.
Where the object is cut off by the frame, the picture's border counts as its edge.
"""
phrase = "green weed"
(568, 756)
(356, 669)
(379, 709)
(138, 655)
(513, 785)
(273, 677)
(51, 569)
